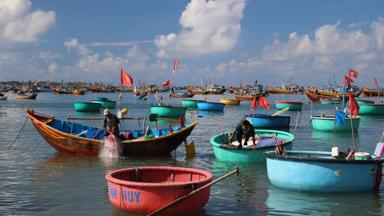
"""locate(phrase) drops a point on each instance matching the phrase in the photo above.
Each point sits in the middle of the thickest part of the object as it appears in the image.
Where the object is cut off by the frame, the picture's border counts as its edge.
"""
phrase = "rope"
(25, 122)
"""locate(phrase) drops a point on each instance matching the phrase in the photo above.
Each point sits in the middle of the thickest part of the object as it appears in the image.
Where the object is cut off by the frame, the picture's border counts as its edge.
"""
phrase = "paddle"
(280, 111)
(193, 192)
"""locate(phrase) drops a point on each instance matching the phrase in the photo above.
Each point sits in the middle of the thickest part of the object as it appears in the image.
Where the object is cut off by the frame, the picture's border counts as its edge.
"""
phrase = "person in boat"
(280, 149)
(243, 130)
(111, 123)
(350, 154)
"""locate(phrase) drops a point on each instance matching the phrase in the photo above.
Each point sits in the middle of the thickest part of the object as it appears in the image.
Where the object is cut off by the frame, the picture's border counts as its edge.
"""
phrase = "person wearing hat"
(111, 123)
(243, 130)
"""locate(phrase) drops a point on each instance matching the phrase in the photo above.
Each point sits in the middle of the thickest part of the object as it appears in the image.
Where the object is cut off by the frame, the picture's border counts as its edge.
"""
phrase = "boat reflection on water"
(286, 202)
(210, 113)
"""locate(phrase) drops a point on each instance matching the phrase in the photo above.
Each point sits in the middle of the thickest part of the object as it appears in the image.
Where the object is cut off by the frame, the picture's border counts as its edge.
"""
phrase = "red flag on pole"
(353, 105)
(348, 80)
(175, 65)
(125, 78)
(166, 83)
(254, 103)
(352, 73)
(264, 102)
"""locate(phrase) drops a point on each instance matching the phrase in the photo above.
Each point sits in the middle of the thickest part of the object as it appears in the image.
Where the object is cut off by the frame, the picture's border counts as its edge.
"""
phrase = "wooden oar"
(280, 111)
(194, 192)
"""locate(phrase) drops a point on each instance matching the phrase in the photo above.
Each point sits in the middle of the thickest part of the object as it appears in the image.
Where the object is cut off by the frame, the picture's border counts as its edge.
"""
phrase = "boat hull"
(210, 106)
(190, 103)
(247, 155)
(290, 104)
(144, 190)
(268, 121)
(230, 102)
(313, 174)
(76, 145)
(168, 111)
(3, 97)
(87, 107)
(108, 104)
(327, 123)
(371, 109)
(360, 101)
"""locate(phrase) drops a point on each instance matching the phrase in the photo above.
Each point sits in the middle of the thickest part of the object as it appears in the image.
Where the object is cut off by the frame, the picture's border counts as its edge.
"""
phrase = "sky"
(224, 42)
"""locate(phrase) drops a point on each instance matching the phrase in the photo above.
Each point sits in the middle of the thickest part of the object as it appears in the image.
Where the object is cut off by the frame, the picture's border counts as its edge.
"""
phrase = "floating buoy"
(124, 111)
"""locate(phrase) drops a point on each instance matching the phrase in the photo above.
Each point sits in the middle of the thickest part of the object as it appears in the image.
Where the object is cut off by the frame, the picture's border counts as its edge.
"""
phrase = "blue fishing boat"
(318, 171)
(268, 121)
(210, 106)
(266, 140)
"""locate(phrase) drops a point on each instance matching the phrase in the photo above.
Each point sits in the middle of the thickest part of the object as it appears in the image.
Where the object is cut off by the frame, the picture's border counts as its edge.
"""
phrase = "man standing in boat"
(111, 123)
(243, 129)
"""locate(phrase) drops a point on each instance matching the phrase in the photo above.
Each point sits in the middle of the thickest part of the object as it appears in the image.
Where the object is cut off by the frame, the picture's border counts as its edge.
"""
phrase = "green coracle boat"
(371, 109)
(106, 104)
(292, 105)
(87, 107)
(267, 141)
(189, 103)
(361, 101)
(327, 123)
(168, 111)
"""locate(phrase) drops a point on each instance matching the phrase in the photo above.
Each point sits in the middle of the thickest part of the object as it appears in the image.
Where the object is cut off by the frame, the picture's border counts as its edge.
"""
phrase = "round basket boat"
(144, 190)
(87, 107)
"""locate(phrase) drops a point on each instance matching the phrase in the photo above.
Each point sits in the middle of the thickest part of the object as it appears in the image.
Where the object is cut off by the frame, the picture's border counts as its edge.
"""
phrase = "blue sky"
(223, 41)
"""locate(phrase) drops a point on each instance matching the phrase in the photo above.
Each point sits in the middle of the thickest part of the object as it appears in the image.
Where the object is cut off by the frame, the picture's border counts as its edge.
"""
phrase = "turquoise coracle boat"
(168, 111)
(292, 105)
(105, 103)
(371, 109)
(361, 101)
(190, 103)
(268, 121)
(87, 107)
(266, 141)
(210, 106)
(327, 123)
(317, 171)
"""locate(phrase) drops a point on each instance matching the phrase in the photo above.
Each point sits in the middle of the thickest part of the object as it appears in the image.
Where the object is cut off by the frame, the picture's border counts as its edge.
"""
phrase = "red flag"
(166, 83)
(352, 73)
(264, 102)
(175, 65)
(348, 80)
(254, 103)
(353, 105)
(125, 78)
(375, 83)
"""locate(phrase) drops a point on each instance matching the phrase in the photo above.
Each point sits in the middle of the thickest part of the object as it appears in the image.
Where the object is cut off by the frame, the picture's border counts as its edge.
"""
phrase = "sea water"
(37, 180)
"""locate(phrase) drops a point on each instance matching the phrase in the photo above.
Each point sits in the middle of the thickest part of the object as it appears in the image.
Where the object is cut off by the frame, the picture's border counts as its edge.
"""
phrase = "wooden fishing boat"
(272, 90)
(247, 97)
(230, 102)
(336, 94)
(143, 190)
(185, 95)
(318, 171)
(268, 121)
(292, 105)
(87, 107)
(3, 97)
(73, 138)
(168, 111)
(327, 123)
(312, 96)
(197, 90)
(372, 92)
(26, 96)
(60, 91)
(266, 141)
(190, 103)
(78, 92)
(210, 106)
(361, 101)
(371, 109)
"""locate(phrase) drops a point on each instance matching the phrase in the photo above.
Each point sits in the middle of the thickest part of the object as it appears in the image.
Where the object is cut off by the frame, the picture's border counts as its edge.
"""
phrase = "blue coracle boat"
(268, 121)
(210, 106)
(317, 171)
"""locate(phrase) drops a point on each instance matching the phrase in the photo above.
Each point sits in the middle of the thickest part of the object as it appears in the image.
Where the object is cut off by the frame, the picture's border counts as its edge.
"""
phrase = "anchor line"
(18, 135)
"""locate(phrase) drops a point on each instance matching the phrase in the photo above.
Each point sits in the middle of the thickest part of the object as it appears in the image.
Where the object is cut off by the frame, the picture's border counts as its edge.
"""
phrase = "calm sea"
(37, 180)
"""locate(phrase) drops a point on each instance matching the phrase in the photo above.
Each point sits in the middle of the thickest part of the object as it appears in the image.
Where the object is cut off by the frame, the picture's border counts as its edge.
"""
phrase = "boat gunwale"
(331, 117)
(263, 116)
(272, 155)
(173, 184)
(289, 102)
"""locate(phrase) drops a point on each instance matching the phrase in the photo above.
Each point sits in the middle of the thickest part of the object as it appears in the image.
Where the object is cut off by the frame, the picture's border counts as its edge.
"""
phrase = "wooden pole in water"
(193, 192)
(353, 135)
(297, 122)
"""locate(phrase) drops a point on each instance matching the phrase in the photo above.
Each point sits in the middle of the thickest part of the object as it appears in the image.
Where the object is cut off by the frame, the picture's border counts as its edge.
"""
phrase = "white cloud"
(332, 49)
(18, 24)
(117, 43)
(207, 27)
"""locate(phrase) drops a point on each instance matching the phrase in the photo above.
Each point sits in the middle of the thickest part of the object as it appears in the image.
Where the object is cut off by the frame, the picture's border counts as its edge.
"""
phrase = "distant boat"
(371, 109)
(26, 96)
(272, 90)
(230, 102)
(87, 107)
(312, 96)
(266, 141)
(3, 97)
(247, 97)
(372, 92)
(292, 105)
(73, 138)
(330, 101)
(327, 123)
(318, 171)
(361, 101)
